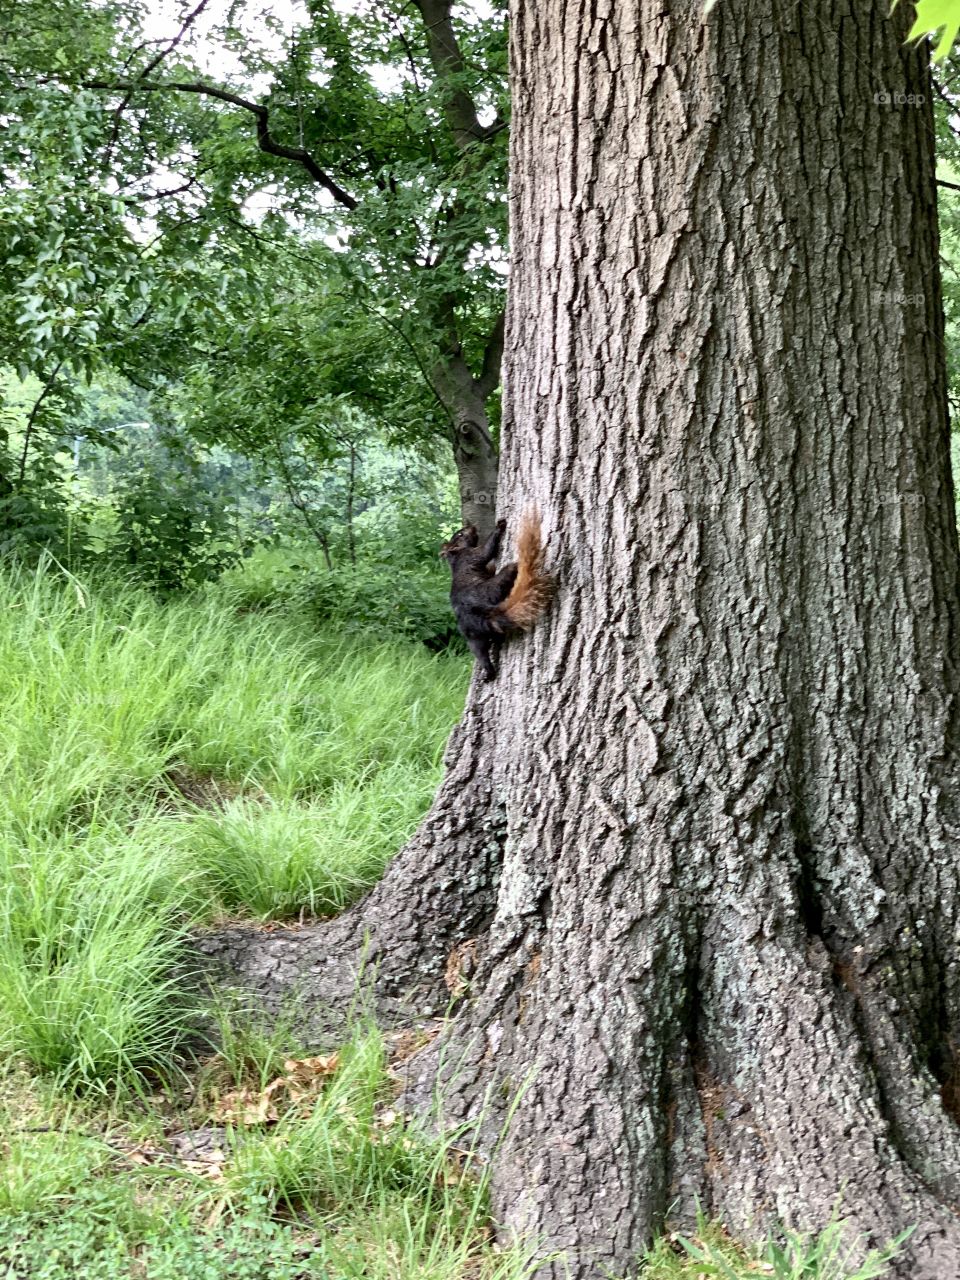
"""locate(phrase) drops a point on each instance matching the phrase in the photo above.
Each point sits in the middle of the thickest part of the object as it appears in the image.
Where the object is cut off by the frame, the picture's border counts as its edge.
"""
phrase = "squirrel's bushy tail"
(533, 588)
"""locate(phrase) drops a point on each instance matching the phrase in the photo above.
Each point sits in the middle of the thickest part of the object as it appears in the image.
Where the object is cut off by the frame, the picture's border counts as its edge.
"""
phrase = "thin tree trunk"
(474, 452)
(296, 499)
(351, 489)
(31, 423)
(704, 825)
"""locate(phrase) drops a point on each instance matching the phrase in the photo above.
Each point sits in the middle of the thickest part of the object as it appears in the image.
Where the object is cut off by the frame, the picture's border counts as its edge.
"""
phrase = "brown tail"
(533, 588)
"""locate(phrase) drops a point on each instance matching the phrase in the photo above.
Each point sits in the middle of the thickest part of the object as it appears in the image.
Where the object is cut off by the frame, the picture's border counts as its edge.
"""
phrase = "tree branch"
(265, 139)
(296, 498)
(489, 378)
(949, 186)
(32, 422)
(137, 197)
(448, 61)
(152, 65)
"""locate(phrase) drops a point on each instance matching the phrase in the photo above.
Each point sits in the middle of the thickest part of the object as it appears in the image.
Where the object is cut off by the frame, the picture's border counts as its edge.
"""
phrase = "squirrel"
(491, 605)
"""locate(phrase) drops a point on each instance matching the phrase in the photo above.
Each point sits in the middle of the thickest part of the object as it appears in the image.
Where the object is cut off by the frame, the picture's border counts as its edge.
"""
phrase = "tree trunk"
(704, 824)
(473, 448)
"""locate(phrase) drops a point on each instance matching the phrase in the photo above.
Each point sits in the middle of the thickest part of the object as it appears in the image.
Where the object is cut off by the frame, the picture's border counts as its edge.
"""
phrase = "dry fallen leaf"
(303, 1079)
(324, 1064)
(212, 1170)
(243, 1106)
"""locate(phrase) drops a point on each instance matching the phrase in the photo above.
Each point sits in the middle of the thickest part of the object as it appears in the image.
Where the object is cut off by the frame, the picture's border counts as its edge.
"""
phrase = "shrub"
(365, 597)
(171, 533)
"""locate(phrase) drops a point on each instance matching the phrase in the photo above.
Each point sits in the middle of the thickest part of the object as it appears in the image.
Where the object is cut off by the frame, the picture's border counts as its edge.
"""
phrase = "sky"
(163, 19)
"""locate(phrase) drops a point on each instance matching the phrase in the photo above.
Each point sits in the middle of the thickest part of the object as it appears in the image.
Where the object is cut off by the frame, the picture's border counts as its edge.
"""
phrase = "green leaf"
(934, 16)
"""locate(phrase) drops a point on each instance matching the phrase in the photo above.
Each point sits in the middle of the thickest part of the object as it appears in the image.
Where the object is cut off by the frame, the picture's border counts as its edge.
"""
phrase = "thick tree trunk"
(718, 782)
(724, 959)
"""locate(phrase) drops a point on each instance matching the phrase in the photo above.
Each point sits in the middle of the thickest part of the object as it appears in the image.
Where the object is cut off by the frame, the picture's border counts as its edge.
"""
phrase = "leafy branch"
(260, 111)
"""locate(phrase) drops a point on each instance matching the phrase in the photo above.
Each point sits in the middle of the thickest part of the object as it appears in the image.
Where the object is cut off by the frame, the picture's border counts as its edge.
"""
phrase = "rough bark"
(720, 777)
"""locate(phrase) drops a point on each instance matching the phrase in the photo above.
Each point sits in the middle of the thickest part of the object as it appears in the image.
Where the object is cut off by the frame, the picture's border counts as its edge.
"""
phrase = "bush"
(170, 531)
(365, 597)
(39, 517)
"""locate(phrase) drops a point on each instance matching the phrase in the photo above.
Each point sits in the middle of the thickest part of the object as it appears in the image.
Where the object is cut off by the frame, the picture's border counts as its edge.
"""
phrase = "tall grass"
(273, 858)
(168, 763)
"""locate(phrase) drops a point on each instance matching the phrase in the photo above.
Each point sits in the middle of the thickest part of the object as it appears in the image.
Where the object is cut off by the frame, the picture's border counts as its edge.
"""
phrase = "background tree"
(695, 852)
(368, 137)
(384, 128)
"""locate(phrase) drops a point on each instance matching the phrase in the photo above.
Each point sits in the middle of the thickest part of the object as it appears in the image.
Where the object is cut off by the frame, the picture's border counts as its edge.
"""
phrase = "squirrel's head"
(463, 540)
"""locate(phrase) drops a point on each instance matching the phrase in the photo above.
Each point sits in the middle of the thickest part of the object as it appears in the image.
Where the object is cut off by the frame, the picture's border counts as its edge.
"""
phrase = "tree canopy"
(337, 198)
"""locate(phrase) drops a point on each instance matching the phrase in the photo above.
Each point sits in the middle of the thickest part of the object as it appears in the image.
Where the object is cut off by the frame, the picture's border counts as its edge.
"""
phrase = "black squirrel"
(490, 605)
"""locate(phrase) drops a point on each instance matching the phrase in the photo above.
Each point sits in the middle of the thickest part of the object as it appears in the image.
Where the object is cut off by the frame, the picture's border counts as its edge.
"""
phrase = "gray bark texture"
(698, 842)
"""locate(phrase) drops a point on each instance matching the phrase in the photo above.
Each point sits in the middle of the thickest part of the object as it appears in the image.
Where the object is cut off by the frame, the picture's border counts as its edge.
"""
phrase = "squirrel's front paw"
(501, 525)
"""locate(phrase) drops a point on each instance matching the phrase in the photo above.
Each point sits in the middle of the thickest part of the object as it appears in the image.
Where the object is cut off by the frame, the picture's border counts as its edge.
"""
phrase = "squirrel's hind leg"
(481, 651)
(501, 584)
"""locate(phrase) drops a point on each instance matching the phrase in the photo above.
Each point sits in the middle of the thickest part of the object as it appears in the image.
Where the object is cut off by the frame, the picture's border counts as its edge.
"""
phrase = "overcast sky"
(165, 16)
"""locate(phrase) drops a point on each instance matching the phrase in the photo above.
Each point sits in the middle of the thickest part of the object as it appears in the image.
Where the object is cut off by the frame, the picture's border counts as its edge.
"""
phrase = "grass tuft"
(831, 1254)
(273, 859)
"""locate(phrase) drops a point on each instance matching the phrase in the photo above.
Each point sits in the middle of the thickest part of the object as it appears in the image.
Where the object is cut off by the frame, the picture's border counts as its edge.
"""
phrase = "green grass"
(272, 859)
(827, 1255)
(337, 1186)
(168, 764)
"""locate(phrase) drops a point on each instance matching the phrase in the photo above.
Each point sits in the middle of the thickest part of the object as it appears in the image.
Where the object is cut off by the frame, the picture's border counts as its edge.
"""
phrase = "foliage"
(296, 357)
(379, 599)
(170, 530)
(939, 18)
(62, 1248)
(86, 954)
(947, 82)
(379, 571)
(274, 861)
(373, 262)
